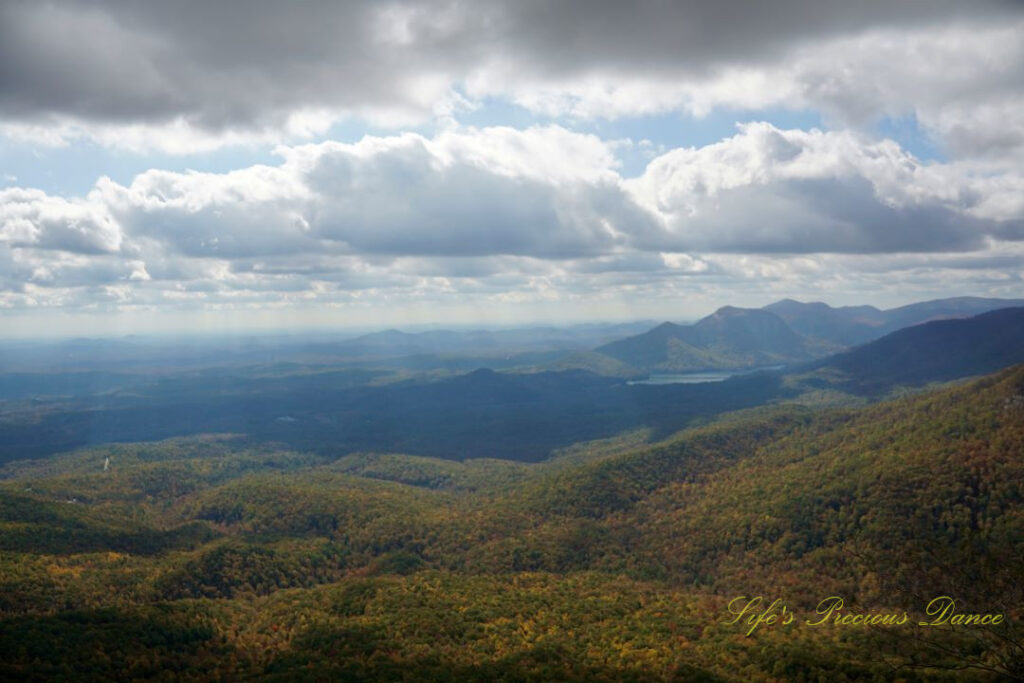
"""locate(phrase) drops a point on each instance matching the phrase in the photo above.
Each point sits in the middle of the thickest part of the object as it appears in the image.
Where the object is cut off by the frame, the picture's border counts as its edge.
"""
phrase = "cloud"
(252, 211)
(31, 218)
(502, 215)
(67, 270)
(771, 191)
(409, 201)
(961, 80)
(197, 75)
(542, 192)
(206, 70)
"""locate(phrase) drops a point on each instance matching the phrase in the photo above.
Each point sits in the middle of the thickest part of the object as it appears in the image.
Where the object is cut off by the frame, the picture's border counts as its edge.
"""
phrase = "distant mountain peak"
(734, 313)
(729, 311)
(790, 306)
(850, 325)
(731, 337)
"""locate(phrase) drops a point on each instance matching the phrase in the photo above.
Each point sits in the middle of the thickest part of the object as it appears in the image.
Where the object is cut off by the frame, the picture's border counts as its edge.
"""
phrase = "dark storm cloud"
(584, 35)
(250, 63)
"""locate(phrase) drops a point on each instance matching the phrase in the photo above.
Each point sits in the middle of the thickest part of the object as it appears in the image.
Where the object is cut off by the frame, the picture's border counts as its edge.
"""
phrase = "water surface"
(699, 377)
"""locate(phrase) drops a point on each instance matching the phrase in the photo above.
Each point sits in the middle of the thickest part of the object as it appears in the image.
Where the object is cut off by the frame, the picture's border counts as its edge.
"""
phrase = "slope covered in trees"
(932, 352)
(616, 560)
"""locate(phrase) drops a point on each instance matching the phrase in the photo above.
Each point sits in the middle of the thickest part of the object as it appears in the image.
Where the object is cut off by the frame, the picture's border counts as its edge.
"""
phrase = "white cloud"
(503, 215)
(768, 190)
(542, 191)
(31, 218)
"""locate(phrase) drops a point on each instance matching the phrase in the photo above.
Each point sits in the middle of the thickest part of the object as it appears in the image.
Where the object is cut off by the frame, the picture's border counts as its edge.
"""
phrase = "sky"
(251, 164)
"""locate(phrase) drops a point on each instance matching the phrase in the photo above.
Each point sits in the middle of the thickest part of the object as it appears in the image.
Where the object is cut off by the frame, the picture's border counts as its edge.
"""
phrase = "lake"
(699, 377)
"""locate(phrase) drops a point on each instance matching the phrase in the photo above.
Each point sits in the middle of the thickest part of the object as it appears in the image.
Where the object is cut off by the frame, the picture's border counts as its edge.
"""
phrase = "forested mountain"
(784, 332)
(852, 325)
(932, 352)
(846, 325)
(614, 560)
(729, 338)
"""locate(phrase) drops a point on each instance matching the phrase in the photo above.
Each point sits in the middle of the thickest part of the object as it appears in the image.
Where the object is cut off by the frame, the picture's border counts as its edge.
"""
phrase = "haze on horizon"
(251, 166)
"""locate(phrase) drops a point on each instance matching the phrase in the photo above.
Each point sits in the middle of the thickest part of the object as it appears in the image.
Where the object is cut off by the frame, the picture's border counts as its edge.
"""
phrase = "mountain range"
(781, 333)
(514, 415)
(852, 325)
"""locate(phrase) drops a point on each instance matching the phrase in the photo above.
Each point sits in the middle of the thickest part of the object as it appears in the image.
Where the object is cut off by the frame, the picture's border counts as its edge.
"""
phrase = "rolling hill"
(620, 566)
